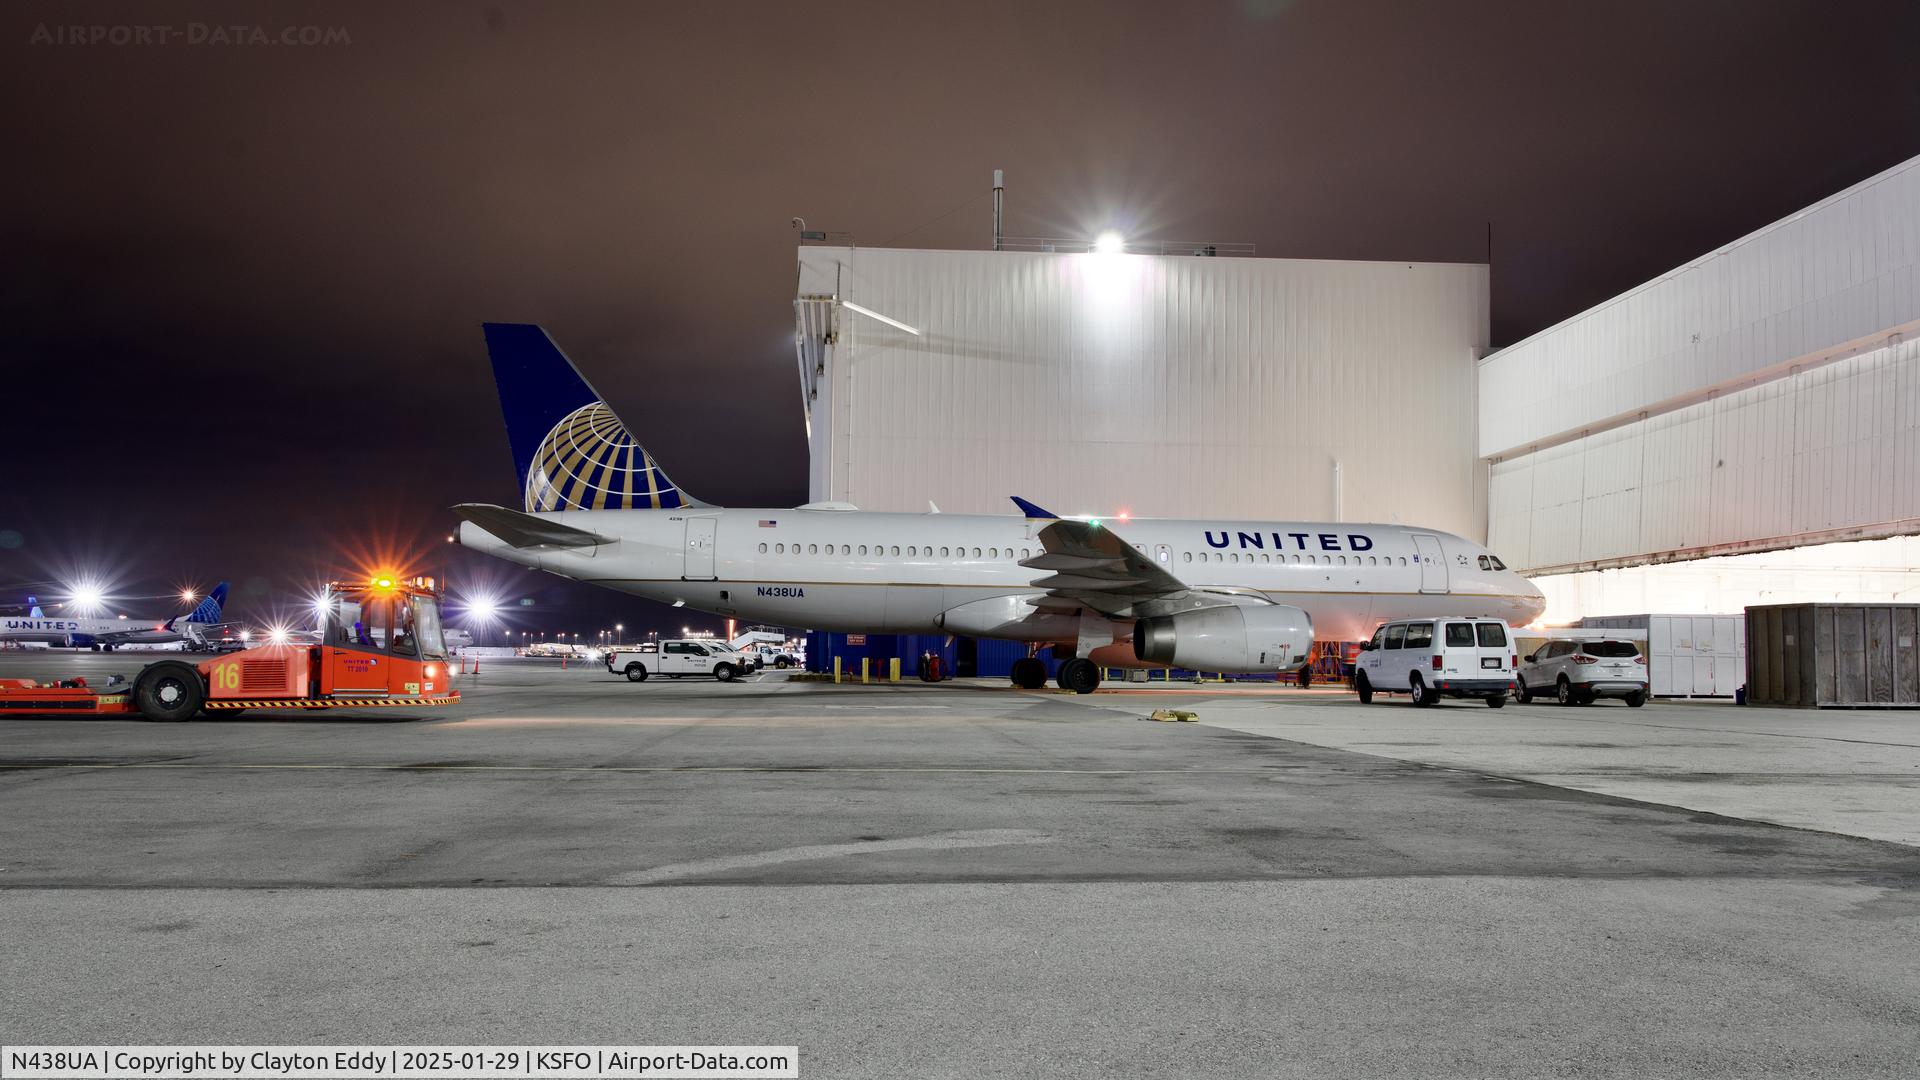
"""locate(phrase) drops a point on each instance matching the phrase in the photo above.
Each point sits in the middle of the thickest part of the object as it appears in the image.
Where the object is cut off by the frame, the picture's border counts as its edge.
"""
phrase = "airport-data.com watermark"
(213, 35)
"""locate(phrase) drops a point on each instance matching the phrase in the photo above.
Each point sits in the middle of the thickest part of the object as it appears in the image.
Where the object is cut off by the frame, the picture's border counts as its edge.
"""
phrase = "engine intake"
(1245, 639)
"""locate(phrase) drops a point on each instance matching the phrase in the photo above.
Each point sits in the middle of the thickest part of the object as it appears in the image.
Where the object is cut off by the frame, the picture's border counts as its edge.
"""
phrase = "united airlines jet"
(108, 634)
(1238, 596)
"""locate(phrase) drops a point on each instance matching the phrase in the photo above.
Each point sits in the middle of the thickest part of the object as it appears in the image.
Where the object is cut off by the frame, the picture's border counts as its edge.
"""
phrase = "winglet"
(1031, 510)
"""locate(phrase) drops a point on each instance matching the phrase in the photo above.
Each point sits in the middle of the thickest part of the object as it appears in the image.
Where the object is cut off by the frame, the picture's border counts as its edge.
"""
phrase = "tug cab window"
(403, 642)
(426, 628)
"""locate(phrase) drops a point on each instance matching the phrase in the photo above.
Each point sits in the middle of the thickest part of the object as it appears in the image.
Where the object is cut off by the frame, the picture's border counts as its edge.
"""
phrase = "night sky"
(244, 282)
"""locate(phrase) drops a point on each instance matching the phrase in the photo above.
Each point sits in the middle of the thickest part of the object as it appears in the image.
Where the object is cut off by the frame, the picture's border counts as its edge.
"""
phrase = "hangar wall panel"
(1838, 276)
(1829, 454)
(1165, 386)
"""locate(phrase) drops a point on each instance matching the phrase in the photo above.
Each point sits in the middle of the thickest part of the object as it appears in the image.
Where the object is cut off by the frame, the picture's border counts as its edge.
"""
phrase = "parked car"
(1577, 672)
(678, 657)
(1427, 659)
(772, 657)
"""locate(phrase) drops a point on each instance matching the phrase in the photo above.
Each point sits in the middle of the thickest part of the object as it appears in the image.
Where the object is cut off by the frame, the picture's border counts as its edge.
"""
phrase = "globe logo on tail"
(588, 461)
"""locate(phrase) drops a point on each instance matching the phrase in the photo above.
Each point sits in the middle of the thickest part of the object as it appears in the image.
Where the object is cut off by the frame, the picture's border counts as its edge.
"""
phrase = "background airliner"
(106, 634)
(1219, 596)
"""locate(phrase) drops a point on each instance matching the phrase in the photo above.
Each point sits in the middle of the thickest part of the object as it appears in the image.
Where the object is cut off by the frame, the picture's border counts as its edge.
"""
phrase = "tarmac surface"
(958, 880)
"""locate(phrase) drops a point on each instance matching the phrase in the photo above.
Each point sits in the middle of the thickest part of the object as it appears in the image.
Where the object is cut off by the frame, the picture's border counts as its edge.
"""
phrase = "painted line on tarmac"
(976, 838)
(77, 766)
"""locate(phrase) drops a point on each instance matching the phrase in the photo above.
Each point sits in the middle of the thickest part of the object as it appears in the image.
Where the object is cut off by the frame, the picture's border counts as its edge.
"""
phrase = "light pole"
(618, 630)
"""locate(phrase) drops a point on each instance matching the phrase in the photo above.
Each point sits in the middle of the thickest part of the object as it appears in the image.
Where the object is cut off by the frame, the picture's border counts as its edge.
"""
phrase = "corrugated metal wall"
(1832, 453)
(1169, 387)
(1843, 270)
(1762, 397)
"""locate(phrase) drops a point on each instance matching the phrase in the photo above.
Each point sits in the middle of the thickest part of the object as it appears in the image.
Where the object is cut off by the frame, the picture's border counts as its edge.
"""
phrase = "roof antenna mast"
(999, 194)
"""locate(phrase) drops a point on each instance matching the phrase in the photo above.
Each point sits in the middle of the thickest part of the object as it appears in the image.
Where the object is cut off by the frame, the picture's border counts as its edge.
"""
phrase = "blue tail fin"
(209, 609)
(572, 452)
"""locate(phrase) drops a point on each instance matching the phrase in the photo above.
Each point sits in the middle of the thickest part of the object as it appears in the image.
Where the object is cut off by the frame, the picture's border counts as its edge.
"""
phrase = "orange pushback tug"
(381, 647)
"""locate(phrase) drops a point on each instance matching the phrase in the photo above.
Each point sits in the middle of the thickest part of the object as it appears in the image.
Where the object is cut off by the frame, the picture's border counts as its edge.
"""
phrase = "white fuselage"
(860, 571)
(75, 631)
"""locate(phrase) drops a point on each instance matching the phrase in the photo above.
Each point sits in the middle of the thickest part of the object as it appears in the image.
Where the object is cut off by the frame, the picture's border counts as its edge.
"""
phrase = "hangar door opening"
(1851, 572)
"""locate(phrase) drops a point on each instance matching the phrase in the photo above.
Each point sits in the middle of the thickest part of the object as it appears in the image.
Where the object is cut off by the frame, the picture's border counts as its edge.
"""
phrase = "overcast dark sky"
(243, 283)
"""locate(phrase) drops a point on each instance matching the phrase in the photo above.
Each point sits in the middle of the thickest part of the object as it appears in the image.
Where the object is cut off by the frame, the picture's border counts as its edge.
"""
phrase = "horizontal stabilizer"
(526, 530)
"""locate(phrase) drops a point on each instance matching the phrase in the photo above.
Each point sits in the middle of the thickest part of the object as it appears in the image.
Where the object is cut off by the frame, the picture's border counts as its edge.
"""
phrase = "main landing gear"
(1079, 676)
(1029, 674)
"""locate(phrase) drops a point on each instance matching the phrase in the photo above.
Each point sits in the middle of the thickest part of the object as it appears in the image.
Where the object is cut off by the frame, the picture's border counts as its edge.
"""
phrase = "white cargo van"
(1427, 659)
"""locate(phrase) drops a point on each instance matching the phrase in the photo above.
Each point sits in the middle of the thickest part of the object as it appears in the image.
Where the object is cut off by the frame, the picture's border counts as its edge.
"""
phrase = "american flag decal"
(768, 523)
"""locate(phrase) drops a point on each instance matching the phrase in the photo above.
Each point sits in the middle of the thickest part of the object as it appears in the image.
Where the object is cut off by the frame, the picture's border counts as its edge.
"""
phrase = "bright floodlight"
(482, 608)
(86, 597)
(187, 595)
(1110, 243)
(278, 635)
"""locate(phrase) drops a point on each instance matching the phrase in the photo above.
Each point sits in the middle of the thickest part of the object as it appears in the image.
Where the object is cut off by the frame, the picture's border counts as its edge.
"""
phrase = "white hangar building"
(1744, 429)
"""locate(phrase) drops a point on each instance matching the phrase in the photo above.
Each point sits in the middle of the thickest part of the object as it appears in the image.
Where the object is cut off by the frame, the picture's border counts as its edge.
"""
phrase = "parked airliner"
(107, 634)
(1236, 596)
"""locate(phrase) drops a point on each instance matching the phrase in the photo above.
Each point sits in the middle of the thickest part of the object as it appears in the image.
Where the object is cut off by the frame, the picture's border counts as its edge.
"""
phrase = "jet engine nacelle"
(1265, 638)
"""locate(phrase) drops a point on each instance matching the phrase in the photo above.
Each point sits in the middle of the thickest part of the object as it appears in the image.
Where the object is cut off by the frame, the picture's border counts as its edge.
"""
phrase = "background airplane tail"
(209, 610)
(571, 451)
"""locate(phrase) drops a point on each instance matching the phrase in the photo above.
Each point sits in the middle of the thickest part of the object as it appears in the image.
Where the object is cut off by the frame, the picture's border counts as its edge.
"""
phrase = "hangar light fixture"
(1109, 243)
(872, 314)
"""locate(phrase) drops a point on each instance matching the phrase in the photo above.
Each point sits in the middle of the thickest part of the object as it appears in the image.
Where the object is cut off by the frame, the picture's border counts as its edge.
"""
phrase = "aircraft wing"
(115, 637)
(1093, 567)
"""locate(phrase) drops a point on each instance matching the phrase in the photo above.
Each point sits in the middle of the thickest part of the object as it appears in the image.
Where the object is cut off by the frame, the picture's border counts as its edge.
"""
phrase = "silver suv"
(1577, 672)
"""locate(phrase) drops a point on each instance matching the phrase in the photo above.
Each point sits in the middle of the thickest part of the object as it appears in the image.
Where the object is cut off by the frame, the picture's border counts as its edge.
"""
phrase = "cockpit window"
(1491, 562)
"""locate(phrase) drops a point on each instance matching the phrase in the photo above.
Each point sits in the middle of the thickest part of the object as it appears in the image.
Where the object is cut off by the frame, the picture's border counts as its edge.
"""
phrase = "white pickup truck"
(680, 656)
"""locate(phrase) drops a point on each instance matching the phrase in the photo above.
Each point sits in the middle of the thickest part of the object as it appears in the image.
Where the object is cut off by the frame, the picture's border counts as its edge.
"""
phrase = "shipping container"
(1687, 655)
(1833, 655)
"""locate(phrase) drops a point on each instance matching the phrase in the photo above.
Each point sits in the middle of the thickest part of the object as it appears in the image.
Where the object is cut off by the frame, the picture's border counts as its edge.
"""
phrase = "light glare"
(1109, 243)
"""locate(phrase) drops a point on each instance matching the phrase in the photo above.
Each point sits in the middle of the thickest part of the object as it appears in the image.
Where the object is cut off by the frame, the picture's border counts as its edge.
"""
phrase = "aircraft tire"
(1028, 673)
(1079, 676)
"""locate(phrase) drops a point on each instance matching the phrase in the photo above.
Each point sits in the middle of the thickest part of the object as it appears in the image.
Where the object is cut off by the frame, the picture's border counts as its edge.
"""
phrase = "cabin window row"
(1312, 560)
(911, 551)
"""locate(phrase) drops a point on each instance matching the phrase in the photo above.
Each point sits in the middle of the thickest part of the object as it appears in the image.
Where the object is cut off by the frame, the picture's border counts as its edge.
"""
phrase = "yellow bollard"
(836, 669)
(863, 671)
(893, 670)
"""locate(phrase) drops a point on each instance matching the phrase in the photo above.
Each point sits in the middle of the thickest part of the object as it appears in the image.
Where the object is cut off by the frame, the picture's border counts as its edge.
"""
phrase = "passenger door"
(1433, 563)
(1393, 658)
(701, 537)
